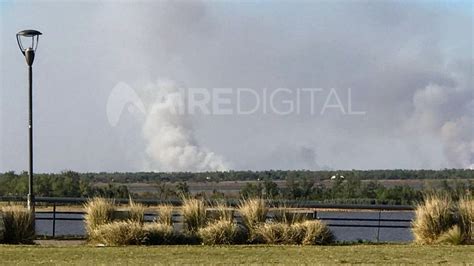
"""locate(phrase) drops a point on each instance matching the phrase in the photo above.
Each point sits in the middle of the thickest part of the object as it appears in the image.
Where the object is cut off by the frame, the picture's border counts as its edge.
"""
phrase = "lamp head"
(28, 51)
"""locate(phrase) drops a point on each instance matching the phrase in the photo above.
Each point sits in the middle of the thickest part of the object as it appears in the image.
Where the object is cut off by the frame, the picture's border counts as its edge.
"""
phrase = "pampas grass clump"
(221, 232)
(119, 233)
(165, 214)
(223, 212)
(466, 219)
(19, 225)
(194, 214)
(136, 212)
(253, 212)
(452, 236)
(274, 233)
(99, 211)
(159, 234)
(316, 233)
(433, 217)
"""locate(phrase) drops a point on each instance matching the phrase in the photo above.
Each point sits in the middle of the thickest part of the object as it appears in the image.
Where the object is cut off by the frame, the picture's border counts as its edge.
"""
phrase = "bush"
(165, 214)
(194, 214)
(19, 225)
(222, 232)
(316, 233)
(432, 218)
(119, 233)
(466, 219)
(99, 211)
(159, 234)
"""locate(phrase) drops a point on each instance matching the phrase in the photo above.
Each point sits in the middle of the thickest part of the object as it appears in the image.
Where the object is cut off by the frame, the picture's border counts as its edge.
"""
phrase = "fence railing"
(289, 203)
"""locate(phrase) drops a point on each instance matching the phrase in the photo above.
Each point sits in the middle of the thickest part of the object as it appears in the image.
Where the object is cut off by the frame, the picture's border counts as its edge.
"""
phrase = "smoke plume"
(171, 145)
(447, 112)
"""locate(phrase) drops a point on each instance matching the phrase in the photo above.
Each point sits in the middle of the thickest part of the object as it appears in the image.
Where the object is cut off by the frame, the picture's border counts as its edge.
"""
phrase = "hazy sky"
(407, 65)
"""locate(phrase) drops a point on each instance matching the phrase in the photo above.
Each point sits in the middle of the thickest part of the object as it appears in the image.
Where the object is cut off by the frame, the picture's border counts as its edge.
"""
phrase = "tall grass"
(221, 232)
(453, 236)
(433, 217)
(466, 218)
(165, 214)
(19, 225)
(220, 211)
(300, 233)
(284, 215)
(274, 233)
(317, 233)
(119, 233)
(253, 211)
(194, 214)
(159, 234)
(136, 212)
(99, 211)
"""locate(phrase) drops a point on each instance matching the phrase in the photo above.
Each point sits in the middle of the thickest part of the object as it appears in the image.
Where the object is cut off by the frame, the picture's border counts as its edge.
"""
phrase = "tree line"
(64, 184)
(353, 186)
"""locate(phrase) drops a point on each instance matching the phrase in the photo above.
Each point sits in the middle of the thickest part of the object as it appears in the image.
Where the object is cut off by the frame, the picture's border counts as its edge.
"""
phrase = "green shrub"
(165, 214)
(316, 233)
(19, 225)
(159, 234)
(433, 217)
(99, 211)
(466, 219)
(119, 233)
(222, 232)
(194, 214)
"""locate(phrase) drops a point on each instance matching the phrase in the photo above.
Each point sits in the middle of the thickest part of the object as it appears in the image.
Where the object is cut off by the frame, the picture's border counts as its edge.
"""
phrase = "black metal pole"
(31, 197)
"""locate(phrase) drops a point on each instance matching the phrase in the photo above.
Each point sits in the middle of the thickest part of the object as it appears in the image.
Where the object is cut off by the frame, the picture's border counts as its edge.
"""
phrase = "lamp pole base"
(30, 201)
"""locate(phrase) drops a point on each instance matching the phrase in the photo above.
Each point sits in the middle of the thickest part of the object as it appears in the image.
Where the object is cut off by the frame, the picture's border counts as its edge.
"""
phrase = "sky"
(378, 85)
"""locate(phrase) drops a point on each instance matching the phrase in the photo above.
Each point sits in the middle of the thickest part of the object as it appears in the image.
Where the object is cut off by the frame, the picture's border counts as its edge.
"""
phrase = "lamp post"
(29, 53)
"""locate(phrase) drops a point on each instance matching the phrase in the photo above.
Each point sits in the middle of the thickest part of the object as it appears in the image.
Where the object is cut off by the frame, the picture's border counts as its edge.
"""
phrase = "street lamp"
(29, 53)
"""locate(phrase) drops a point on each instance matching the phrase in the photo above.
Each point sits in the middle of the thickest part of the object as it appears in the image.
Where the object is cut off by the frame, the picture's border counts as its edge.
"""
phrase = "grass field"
(132, 255)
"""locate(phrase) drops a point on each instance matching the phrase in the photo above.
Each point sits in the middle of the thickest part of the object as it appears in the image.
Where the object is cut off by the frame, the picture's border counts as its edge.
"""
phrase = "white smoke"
(171, 144)
(446, 111)
(458, 138)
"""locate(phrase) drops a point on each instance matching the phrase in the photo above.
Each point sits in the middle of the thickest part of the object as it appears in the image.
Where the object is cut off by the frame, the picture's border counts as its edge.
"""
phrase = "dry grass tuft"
(433, 217)
(254, 212)
(19, 225)
(466, 219)
(453, 236)
(317, 233)
(137, 212)
(165, 214)
(159, 234)
(274, 233)
(99, 211)
(119, 233)
(194, 214)
(221, 232)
